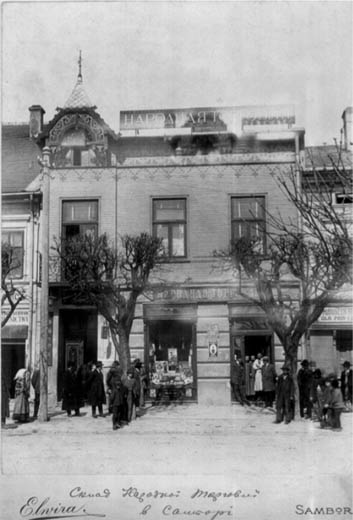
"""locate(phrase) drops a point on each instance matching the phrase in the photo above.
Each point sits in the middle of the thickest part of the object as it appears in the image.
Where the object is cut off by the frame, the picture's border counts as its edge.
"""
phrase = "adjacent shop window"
(248, 218)
(15, 240)
(79, 217)
(169, 223)
(344, 340)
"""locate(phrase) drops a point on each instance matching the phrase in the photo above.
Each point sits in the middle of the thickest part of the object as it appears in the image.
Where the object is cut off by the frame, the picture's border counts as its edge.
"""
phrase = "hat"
(285, 368)
(305, 363)
(346, 364)
(99, 364)
(265, 358)
(115, 364)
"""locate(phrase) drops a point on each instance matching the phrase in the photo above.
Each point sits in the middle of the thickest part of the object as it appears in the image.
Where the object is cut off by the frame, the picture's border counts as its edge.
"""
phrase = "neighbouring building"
(196, 177)
(20, 229)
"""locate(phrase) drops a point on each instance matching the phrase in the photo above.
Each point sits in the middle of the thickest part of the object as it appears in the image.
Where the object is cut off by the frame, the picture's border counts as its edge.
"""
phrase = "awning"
(19, 332)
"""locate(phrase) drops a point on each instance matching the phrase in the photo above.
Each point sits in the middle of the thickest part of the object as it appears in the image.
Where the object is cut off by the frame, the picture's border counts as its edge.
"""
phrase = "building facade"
(197, 178)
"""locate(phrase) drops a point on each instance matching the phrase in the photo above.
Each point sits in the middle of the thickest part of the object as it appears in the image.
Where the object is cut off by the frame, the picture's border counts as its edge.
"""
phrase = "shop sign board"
(337, 315)
(19, 316)
(210, 119)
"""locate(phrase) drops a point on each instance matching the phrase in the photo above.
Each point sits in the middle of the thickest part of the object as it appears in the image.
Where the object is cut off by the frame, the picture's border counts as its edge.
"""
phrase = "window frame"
(21, 232)
(169, 253)
(79, 222)
(262, 220)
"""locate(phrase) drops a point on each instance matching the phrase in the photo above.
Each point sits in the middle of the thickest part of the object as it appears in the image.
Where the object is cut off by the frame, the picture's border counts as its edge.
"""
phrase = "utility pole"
(44, 300)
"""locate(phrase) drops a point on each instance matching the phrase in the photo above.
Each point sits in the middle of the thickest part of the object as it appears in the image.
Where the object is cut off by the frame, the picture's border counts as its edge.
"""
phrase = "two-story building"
(195, 177)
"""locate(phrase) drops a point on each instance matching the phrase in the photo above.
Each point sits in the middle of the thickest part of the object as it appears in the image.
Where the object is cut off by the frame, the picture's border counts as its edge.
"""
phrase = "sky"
(175, 54)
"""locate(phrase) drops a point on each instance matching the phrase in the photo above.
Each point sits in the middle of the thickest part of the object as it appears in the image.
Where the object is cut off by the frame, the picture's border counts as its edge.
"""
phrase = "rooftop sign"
(235, 120)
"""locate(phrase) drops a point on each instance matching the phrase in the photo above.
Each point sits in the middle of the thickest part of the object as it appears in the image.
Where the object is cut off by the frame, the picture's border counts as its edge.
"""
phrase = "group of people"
(123, 393)
(320, 398)
(253, 382)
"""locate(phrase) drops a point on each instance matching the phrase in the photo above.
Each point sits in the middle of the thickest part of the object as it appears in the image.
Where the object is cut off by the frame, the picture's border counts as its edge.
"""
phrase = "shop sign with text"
(210, 119)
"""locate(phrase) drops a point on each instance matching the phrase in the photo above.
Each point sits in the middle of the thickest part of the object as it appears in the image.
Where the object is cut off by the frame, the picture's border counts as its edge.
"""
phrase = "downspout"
(31, 291)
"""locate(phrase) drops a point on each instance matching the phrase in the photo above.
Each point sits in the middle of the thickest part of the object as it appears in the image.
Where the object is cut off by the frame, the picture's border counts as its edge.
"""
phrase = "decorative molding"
(211, 159)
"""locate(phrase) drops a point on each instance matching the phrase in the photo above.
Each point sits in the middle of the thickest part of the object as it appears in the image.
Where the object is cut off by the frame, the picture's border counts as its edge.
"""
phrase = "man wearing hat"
(346, 384)
(305, 379)
(112, 374)
(285, 396)
(96, 392)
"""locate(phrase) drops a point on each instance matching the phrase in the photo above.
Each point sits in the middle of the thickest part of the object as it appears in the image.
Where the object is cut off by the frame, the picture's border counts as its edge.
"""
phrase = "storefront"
(14, 337)
(331, 339)
(170, 355)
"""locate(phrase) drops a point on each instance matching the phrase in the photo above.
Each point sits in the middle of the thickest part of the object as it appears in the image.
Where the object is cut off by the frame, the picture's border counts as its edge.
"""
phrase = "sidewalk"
(240, 437)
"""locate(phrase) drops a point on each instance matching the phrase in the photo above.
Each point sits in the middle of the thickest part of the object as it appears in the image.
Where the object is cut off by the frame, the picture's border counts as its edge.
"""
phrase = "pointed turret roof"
(78, 97)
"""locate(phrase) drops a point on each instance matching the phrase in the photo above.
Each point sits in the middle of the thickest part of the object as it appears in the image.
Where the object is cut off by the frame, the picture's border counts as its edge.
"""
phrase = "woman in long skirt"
(22, 390)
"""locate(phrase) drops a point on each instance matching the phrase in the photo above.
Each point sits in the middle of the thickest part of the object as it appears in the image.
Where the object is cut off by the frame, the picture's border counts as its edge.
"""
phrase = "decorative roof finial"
(79, 77)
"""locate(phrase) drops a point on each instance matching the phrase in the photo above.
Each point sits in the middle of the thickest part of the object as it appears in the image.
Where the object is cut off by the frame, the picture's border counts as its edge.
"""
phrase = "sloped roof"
(19, 164)
(324, 157)
(78, 97)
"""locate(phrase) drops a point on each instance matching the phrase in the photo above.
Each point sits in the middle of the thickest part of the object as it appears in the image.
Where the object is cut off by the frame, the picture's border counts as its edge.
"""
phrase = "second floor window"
(248, 218)
(169, 223)
(79, 217)
(14, 239)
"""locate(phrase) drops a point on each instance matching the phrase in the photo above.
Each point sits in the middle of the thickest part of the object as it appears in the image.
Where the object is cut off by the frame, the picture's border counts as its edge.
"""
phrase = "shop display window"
(170, 359)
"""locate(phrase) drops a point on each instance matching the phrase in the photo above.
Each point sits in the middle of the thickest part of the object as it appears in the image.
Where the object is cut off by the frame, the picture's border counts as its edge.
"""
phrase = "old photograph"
(176, 241)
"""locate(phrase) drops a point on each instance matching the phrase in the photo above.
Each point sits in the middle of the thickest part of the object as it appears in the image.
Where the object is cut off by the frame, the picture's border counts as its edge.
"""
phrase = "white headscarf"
(20, 373)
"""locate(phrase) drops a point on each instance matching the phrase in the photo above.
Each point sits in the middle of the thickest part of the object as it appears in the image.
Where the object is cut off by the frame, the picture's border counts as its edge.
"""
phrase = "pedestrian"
(249, 378)
(117, 398)
(112, 374)
(138, 387)
(326, 417)
(5, 398)
(346, 385)
(144, 386)
(72, 392)
(284, 397)
(269, 378)
(304, 378)
(336, 406)
(237, 381)
(22, 391)
(316, 395)
(96, 392)
(35, 380)
(257, 368)
(129, 383)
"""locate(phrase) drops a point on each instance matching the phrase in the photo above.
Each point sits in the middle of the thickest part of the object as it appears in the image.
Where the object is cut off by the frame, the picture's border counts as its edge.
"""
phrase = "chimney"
(35, 120)
(347, 117)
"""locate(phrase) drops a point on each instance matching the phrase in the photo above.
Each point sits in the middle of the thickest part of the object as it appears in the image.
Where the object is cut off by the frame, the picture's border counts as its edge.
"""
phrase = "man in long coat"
(96, 392)
(346, 383)
(305, 378)
(72, 397)
(117, 398)
(269, 377)
(285, 397)
(237, 381)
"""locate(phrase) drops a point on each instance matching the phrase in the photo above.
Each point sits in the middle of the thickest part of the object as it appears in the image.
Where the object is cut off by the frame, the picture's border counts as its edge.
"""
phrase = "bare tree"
(112, 281)
(11, 295)
(308, 259)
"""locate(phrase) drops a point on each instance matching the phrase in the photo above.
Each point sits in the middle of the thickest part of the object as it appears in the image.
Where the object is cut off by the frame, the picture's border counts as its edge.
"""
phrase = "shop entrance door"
(78, 340)
(171, 360)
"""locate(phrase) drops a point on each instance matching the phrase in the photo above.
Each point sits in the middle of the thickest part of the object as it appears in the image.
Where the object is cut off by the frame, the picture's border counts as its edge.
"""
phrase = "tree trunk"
(122, 348)
(291, 360)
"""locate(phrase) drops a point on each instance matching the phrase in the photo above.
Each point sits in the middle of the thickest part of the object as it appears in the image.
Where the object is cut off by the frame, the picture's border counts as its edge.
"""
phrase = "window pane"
(162, 232)
(80, 211)
(248, 208)
(178, 241)
(169, 209)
